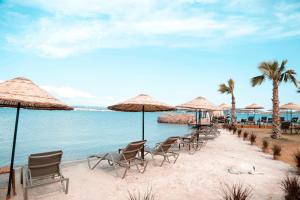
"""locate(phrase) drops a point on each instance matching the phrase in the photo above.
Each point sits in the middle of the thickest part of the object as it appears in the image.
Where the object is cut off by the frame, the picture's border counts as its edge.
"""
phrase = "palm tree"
(277, 74)
(229, 89)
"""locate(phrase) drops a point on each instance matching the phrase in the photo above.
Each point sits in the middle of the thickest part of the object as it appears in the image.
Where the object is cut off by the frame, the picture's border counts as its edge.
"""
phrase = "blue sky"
(100, 52)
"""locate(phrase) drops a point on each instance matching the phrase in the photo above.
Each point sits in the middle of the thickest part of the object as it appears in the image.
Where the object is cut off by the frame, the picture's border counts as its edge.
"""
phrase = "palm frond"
(223, 88)
(289, 75)
(265, 68)
(282, 66)
(257, 80)
(231, 84)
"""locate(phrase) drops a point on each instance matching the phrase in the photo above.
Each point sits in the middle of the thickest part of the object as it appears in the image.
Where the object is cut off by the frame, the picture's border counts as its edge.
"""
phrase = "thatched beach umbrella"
(254, 107)
(199, 104)
(290, 107)
(225, 106)
(141, 103)
(23, 93)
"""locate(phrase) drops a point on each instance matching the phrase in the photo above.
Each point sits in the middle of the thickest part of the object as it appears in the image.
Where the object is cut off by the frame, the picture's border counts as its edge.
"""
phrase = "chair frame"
(164, 149)
(126, 158)
(29, 181)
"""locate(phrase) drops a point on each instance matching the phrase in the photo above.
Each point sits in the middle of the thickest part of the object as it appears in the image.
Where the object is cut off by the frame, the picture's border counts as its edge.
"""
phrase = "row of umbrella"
(23, 93)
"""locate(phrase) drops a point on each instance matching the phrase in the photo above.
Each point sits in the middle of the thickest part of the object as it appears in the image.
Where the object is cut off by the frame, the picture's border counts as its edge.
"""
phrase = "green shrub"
(239, 132)
(291, 188)
(236, 192)
(252, 138)
(276, 151)
(265, 145)
(245, 136)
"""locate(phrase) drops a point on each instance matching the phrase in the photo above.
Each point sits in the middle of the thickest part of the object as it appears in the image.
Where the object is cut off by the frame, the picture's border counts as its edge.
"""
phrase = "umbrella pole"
(200, 116)
(143, 130)
(291, 122)
(13, 152)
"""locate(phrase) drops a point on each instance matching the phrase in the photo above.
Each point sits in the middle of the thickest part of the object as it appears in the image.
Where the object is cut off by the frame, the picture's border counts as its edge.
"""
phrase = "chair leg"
(67, 186)
(176, 157)
(25, 193)
(163, 161)
(126, 168)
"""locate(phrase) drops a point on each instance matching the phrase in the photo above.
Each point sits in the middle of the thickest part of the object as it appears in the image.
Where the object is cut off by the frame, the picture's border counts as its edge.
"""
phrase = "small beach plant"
(234, 129)
(252, 138)
(147, 196)
(245, 135)
(276, 151)
(291, 188)
(230, 128)
(236, 192)
(229, 89)
(265, 145)
(297, 160)
(277, 73)
(239, 132)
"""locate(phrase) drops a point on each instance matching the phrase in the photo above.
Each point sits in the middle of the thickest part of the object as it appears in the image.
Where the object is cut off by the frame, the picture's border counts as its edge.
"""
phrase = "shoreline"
(200, 173)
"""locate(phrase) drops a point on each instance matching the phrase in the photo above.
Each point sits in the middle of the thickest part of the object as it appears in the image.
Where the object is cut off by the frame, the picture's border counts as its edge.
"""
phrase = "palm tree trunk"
(276, 131)
(233, 113)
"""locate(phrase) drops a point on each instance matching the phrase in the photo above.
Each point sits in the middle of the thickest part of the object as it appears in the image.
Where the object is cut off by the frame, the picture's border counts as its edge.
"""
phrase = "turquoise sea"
(79, 133)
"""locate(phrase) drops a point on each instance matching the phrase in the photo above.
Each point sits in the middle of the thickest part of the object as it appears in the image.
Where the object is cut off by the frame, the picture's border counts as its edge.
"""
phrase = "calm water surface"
(77, 133)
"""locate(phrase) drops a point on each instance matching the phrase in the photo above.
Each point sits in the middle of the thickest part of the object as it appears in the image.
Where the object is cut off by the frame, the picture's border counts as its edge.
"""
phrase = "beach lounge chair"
(164, 149)
(192, 141)
(251, 120)
(270, 120)
(285, 126)
(243, 121)
(127, 157)
(263, 120)
(43, 169)
(294, 120)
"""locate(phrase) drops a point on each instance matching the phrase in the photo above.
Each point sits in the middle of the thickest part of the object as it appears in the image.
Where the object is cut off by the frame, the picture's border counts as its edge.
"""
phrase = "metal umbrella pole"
(143, 130)
(13, 151)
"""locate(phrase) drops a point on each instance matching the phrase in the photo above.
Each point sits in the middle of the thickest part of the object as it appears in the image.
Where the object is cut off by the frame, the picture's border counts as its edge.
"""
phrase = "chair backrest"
(282, 119)
(44, 164)
(131, 150)
(270, 120)
(167, 144)
(251, 118)
(263, 119)
(285, 125)
(295, 119)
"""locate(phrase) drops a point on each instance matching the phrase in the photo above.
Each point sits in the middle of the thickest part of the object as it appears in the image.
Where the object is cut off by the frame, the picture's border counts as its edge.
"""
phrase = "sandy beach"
(197, 176)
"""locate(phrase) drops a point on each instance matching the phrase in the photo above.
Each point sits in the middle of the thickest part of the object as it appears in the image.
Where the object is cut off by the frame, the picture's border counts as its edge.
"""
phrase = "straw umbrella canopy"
(141, 103)
(254, 107)
(199, 104)
(225, 106)
(23, 93)
(290, 107)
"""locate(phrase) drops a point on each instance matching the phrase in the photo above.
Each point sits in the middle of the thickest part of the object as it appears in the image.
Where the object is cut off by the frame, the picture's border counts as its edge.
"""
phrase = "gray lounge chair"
(127, 157)
(192, 141)
(164, 149)
(43, 169)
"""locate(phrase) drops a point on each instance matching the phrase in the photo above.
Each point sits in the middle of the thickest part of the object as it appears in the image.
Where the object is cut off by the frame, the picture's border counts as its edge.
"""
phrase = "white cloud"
(75, 26)
(74, 96)
(67, 92)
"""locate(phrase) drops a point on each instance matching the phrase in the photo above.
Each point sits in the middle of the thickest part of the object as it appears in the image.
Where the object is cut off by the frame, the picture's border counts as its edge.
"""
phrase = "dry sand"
(198, 176)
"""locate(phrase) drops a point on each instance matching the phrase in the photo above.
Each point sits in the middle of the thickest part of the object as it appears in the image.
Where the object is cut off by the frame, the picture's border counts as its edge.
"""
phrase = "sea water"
(81, 133)
(78, 133)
